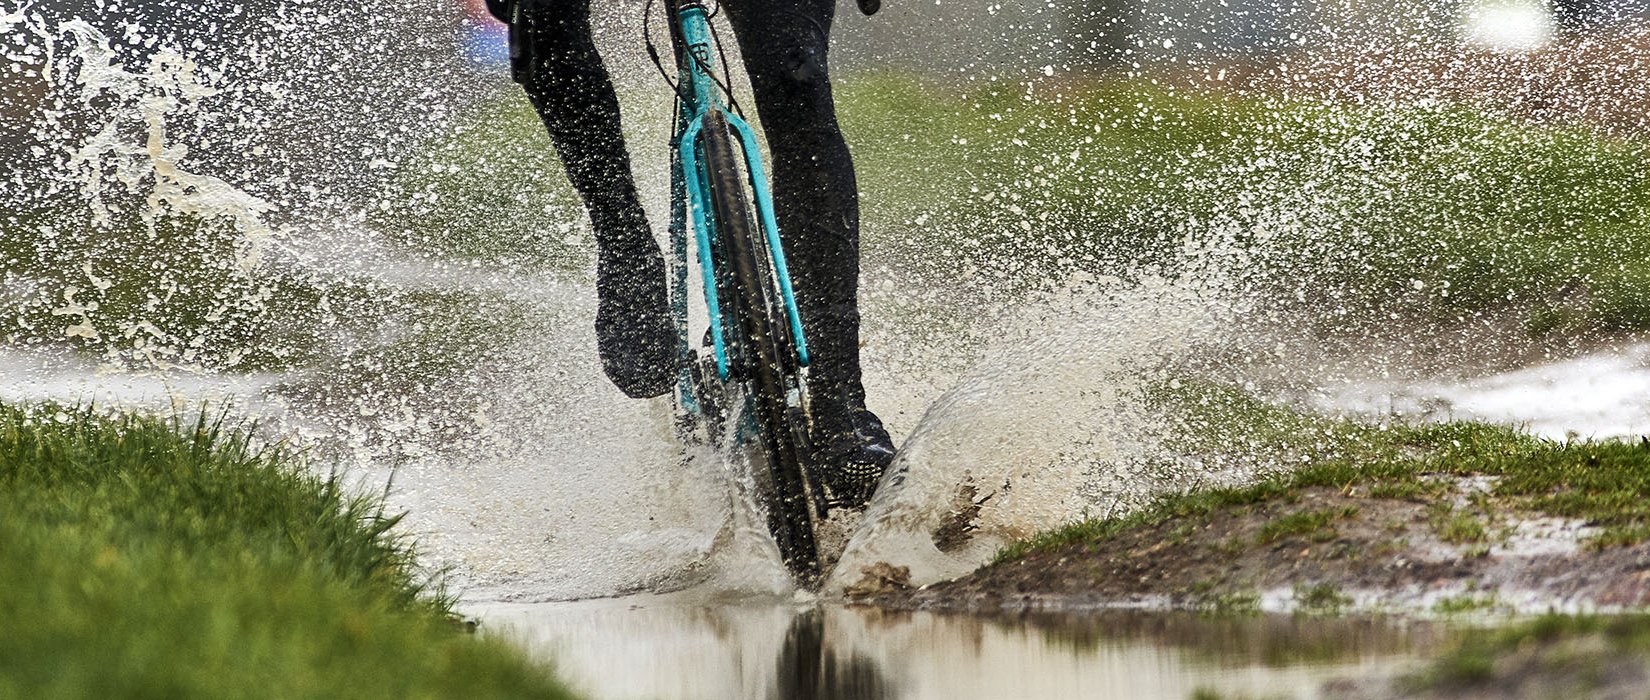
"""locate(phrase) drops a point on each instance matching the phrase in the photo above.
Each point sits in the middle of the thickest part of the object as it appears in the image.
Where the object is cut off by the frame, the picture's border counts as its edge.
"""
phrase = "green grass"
(170, 292)
(147, 558)
(492, 190)
(1434, 213)
(1601, 482)
(1355, 215)
(1321, 599)
(163, 288)
(1466, 604)
(1213, 694)
(1456, 527)
(1230, 604)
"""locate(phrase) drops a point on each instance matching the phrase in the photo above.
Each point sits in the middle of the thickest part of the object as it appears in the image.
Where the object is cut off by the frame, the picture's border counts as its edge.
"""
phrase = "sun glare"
(1508, 25)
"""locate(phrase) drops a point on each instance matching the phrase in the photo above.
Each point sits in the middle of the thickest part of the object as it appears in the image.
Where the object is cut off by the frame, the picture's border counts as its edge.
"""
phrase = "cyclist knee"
(790, 56)
(805, 68)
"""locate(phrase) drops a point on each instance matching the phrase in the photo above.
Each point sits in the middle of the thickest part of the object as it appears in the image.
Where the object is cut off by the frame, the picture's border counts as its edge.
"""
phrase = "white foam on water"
(531, 478)
(170, 86)
(559, 487)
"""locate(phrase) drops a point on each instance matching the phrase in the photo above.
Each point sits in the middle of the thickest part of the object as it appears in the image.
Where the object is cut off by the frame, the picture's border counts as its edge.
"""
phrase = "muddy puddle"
(659, 647)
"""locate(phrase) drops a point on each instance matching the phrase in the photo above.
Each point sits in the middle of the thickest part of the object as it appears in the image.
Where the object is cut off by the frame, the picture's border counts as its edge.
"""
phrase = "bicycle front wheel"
(764, 352)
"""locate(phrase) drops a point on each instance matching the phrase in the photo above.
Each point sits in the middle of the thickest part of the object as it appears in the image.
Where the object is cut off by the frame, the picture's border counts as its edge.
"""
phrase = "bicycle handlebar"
(869, 7)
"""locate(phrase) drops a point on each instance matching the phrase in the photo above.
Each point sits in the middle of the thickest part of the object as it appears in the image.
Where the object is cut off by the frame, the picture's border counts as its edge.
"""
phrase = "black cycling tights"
(783, 43)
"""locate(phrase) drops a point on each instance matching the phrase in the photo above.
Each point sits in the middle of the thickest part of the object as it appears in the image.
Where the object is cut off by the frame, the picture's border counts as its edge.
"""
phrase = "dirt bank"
(1457, 546)
(1474, 520)
(1320, 548)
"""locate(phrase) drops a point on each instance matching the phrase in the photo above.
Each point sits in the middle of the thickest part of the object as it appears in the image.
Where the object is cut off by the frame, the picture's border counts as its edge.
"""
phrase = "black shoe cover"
(852, 452)
(635, 334)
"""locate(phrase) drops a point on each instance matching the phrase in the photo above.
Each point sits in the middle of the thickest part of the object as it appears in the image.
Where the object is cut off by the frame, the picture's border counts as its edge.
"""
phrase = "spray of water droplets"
(333, 219)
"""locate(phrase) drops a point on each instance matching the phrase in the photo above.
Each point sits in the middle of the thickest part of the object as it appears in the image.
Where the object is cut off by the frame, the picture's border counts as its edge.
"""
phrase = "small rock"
(880, 577)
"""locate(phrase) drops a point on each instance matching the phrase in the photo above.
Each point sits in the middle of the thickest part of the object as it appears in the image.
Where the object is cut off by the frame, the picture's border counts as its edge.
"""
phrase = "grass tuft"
(1232, 604)
(1315, 525)
(1321, 599)
(142, 557)
(1466, 604)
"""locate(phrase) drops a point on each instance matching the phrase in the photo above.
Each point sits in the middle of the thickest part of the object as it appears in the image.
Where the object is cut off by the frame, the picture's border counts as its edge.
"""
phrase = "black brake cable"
(722, 52)
(710, 71)
(653, 51)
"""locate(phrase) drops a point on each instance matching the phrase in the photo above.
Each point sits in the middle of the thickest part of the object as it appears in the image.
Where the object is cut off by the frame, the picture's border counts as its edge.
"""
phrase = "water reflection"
(655, 647)
(810, 668)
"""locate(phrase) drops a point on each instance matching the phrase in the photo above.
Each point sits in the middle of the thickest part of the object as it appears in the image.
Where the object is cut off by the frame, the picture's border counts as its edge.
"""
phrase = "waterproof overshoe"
(635, 334)
(852, 452)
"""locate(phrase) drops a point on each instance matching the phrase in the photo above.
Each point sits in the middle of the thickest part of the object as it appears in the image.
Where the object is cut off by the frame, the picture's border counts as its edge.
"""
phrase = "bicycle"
(748, 394)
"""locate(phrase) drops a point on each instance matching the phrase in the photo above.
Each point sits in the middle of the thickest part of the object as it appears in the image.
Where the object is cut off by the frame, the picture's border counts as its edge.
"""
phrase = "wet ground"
(664, 647)
(1600, 395)
(684, 647)
(681, 647)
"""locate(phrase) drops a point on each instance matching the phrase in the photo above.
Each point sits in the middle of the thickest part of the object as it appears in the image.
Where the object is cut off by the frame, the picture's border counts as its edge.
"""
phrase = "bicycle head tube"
(695, 59)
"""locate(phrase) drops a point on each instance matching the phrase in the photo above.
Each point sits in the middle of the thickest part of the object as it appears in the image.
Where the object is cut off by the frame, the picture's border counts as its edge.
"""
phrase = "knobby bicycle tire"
(765, 351)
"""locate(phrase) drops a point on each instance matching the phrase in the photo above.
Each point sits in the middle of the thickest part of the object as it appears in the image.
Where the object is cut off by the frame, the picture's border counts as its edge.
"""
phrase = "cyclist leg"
(784, 43)
(554, 58)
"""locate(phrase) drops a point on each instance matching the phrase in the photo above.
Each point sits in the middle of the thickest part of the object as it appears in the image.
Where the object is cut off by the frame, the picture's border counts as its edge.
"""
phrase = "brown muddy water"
(662, 647)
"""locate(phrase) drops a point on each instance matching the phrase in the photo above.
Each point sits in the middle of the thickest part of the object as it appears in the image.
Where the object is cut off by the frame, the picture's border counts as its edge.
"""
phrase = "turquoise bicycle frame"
(698, 96)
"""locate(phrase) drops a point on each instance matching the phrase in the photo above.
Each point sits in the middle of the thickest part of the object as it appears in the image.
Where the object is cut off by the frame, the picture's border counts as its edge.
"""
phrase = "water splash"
(1051, 423)
(220, 217)
(153, 167)
(123, 196)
